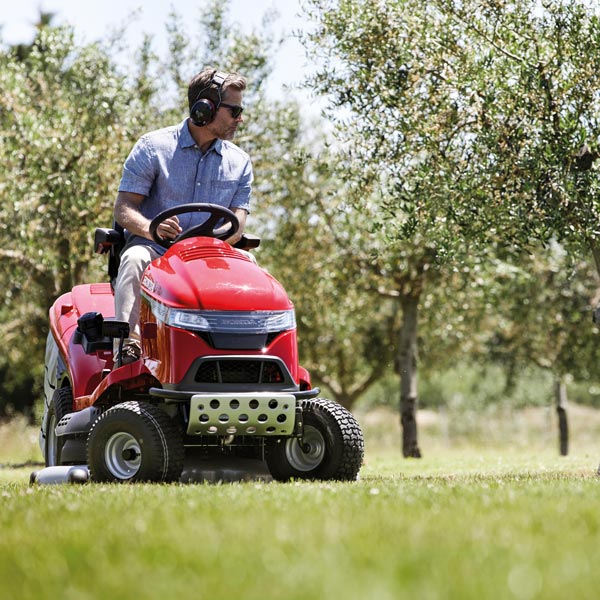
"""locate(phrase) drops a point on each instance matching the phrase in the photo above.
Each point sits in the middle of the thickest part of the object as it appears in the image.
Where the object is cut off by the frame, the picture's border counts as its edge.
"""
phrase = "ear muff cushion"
(202, 112)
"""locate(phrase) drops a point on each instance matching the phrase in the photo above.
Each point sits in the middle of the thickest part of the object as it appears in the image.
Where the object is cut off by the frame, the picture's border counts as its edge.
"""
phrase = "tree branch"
(28, 263)
(489, 40)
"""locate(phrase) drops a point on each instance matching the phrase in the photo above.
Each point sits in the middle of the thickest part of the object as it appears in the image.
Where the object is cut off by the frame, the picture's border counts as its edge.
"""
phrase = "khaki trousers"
(134, 261)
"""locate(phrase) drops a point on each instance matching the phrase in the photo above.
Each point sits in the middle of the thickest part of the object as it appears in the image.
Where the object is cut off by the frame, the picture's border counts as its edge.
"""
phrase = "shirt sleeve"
(241, 199)
(139, 170)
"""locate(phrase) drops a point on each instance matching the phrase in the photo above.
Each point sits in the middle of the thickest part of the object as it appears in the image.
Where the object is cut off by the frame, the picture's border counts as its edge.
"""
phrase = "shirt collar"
(187, 141)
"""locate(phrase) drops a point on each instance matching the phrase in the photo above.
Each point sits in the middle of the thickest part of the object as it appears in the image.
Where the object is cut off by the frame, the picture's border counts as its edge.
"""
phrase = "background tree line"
(448, 217)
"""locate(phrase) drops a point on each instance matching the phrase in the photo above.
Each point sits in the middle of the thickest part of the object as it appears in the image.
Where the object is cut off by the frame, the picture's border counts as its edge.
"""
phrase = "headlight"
(187, 320)
(247, 322)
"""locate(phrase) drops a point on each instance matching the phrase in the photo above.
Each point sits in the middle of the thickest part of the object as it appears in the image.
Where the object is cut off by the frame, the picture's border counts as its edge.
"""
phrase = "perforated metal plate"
(242, 414)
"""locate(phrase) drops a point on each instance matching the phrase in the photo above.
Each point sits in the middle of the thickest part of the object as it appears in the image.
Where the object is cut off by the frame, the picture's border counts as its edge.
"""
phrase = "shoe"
(130, 354)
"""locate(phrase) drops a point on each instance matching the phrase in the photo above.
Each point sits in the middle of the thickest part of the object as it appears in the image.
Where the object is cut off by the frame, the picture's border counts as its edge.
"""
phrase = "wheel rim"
(308, 453)
(123, 455)
(51, 448)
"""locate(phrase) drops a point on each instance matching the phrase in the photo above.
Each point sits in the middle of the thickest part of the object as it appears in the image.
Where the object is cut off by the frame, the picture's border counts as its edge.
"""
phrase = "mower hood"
(208, 274)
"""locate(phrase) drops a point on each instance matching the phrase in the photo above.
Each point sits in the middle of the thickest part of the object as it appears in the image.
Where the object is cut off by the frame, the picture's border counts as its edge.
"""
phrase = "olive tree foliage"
(535, 121)
(397, 132)
(481, 116)
(65, 122)
(488, 106)
(218, 41)
(541, 317)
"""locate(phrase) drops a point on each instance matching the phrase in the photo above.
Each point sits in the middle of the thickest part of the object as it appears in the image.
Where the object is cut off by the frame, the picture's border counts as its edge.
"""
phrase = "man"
(194, 161)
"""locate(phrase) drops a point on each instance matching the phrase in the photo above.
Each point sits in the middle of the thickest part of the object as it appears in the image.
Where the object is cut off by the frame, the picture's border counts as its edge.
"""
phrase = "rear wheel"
(52, 450)
(135, 441)
(61, 404)
(331, 447)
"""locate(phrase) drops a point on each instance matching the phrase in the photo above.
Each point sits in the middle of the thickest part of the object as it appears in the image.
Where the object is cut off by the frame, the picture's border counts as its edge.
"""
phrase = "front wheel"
(331, 447)
(135, 441)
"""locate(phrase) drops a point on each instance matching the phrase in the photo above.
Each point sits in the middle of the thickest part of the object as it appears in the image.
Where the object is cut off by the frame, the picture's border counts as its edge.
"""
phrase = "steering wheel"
(206, 229)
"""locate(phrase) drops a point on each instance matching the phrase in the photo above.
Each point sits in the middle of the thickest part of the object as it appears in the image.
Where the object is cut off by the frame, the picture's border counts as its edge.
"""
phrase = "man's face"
(224, 126)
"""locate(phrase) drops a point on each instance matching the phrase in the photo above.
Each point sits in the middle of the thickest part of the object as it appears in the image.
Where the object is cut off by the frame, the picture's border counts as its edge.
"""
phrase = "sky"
(93, 19)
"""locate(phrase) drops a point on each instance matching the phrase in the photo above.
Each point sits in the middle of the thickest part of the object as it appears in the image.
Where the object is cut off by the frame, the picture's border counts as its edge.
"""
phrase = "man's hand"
(169, 229)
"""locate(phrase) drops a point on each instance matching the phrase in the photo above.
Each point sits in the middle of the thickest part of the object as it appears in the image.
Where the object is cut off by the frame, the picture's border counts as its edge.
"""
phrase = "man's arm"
(241, 214)
(127, 214)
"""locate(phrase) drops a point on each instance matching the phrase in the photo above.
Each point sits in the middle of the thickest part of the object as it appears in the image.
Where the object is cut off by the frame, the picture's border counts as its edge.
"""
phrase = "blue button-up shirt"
(168, 167)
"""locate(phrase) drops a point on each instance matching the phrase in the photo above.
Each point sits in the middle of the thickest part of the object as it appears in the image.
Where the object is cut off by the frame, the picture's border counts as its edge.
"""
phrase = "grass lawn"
(463, 522)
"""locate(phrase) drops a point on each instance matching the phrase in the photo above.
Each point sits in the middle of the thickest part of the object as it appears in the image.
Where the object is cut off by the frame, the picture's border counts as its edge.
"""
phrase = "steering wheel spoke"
(211, 222)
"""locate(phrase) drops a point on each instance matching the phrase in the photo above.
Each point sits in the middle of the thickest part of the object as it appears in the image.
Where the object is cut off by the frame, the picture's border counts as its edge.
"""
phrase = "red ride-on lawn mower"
(218, 379)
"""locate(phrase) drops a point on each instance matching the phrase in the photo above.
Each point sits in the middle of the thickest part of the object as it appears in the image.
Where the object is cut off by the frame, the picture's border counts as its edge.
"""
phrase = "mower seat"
(111, 242)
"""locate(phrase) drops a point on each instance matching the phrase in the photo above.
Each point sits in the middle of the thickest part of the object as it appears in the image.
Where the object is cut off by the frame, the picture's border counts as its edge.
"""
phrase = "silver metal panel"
(261, 413)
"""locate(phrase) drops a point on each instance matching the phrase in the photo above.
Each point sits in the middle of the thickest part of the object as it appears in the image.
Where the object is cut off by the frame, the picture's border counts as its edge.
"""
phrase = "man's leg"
(134, 261)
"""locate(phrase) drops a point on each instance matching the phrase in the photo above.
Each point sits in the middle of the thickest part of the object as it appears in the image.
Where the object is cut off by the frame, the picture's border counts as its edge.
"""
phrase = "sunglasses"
(236, 111)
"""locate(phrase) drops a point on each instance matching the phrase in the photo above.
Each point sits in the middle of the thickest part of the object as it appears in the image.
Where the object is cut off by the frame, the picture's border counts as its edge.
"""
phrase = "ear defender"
(205, 108)
(203, 112)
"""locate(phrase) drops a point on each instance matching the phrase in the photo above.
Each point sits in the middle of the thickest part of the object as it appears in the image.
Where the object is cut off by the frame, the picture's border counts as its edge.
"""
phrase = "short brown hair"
(200, 85)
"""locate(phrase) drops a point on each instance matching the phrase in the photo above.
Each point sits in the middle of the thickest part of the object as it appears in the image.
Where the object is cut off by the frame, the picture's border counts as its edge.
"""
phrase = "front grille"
(239, 371)
(239, 341)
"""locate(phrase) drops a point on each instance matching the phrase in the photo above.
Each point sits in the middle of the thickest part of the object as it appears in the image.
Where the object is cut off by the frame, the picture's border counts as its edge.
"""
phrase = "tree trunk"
(510, 382)
(407, 362)
(560, 393)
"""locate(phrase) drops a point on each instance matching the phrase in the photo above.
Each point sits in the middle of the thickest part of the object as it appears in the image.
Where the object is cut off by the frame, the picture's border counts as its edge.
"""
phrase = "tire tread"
(63, 402)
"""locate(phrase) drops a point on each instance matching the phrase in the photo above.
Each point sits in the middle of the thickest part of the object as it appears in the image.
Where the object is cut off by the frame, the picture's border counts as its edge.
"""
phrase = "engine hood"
(208, 274)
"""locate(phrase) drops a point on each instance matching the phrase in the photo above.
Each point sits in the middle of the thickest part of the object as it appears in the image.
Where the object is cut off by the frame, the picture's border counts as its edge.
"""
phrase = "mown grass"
(463, 522)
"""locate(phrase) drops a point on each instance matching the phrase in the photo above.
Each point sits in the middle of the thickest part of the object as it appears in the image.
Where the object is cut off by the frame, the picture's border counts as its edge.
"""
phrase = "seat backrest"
(111, 242)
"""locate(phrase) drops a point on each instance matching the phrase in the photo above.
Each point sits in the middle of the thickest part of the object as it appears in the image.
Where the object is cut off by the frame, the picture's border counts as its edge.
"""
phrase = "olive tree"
(401, 164)
(65, 118)
(476, 121)
(533, 135)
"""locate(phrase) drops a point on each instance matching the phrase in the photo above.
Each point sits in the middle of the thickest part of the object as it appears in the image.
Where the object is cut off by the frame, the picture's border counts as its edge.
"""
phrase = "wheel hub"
(308, 453)
(130, 454)
(123, 455)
